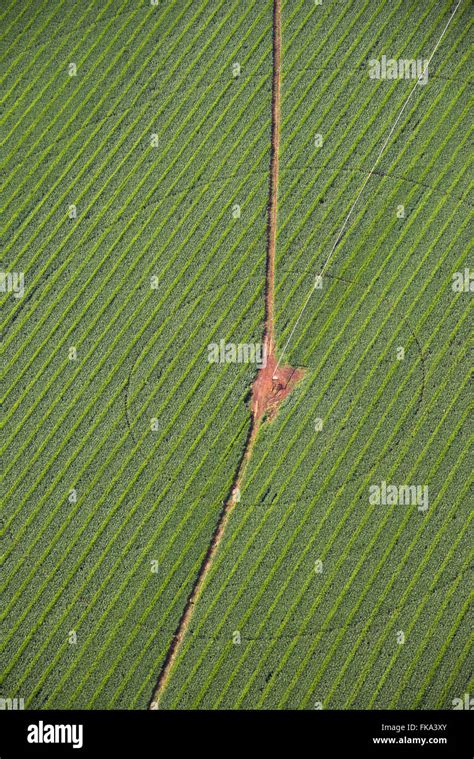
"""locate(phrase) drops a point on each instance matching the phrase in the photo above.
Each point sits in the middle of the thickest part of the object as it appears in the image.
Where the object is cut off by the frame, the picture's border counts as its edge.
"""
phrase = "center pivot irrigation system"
(274, 381)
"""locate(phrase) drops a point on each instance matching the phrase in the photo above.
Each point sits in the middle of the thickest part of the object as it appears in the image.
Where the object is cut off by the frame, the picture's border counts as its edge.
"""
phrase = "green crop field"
(136, 154)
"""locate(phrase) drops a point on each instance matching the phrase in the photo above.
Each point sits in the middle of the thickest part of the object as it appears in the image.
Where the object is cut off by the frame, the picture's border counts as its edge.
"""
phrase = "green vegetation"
(82, 561)
(135, 190)
(328, 632)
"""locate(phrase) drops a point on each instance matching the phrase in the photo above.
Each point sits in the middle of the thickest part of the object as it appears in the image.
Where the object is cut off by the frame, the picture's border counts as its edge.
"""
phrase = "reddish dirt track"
(271, 386)
(273, 382)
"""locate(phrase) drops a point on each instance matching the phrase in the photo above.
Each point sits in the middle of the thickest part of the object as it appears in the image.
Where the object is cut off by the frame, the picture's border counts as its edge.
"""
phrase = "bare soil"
(271, 386)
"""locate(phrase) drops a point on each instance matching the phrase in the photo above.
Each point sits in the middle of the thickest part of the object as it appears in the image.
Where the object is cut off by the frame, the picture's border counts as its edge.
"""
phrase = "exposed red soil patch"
(272, 384)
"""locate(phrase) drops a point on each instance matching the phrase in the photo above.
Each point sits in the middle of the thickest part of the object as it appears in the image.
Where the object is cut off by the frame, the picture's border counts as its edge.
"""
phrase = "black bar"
(313, 733)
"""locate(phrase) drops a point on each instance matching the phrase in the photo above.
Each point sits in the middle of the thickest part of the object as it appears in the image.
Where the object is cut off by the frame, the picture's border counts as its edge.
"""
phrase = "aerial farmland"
(236, 317)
